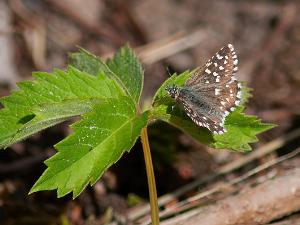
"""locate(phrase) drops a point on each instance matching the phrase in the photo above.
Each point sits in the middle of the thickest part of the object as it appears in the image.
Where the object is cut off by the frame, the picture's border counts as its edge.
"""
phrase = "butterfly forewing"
(212, 91)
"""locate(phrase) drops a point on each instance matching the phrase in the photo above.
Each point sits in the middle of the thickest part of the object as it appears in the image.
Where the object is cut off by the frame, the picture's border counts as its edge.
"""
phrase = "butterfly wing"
(214, 90)
(201, 119)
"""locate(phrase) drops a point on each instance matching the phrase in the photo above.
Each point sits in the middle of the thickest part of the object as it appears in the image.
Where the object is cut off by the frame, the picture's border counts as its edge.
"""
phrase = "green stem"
(150, 177)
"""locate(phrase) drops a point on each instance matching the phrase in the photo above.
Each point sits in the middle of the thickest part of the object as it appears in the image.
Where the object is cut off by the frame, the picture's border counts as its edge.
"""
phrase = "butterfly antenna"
(169, 72)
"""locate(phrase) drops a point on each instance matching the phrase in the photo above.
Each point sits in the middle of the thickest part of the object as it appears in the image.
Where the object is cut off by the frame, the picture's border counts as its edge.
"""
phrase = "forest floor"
(195, 182)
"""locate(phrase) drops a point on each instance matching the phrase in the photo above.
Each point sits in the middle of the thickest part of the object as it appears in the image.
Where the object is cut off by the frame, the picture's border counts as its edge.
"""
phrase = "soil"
(37, 35)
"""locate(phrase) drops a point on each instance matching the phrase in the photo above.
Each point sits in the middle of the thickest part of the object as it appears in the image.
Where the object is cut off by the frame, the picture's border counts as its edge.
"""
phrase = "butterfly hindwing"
(201, 120)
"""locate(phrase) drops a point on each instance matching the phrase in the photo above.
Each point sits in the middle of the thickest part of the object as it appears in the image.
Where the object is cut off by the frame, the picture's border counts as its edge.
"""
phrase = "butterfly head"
(173, 91)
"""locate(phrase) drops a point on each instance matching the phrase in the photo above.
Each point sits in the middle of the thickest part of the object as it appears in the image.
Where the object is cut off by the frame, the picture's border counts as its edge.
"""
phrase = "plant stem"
(150, 177)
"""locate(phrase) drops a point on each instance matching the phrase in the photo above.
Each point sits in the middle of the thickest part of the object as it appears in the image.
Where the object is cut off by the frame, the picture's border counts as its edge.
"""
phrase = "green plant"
(107, 97)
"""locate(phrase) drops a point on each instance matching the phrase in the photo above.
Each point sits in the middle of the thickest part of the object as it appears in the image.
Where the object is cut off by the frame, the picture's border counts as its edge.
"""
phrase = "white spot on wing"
(208, 64)
(208, 71)
(219, 56)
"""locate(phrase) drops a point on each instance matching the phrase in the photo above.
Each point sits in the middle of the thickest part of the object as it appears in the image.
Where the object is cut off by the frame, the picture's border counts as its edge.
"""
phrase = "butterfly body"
(211, 92)
(191, 97)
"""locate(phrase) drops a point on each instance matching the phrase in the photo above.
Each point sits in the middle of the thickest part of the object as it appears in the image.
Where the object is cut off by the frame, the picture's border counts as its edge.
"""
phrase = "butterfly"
(212, 91)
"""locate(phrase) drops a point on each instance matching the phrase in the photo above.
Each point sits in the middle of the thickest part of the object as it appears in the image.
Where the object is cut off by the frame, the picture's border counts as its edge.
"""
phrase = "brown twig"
(291, 220)
(260, 205)
(260, 152)
(195, 200)
(171, 45)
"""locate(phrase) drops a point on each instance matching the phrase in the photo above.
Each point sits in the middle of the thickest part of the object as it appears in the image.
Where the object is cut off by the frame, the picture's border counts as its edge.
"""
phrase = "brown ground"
(37, 35)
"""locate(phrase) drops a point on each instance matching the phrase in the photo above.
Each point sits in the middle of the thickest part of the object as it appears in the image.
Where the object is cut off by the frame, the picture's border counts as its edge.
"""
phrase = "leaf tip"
(33, 189)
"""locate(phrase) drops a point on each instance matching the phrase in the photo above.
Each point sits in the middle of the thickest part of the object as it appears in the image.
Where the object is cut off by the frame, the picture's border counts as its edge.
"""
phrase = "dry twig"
(259, 205)
(260, 152)
(196, 199)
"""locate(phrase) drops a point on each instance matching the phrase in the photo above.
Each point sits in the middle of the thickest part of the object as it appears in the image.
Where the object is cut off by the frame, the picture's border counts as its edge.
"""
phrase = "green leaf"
(52, 114)
(246, 93)
(241, 129)
(17, 119)
(91, 64)
(98, 141)
(87, 62)
(126, 66)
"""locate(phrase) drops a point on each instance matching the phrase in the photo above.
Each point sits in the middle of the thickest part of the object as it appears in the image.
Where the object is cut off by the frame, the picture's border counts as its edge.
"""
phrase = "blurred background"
(168, 36)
